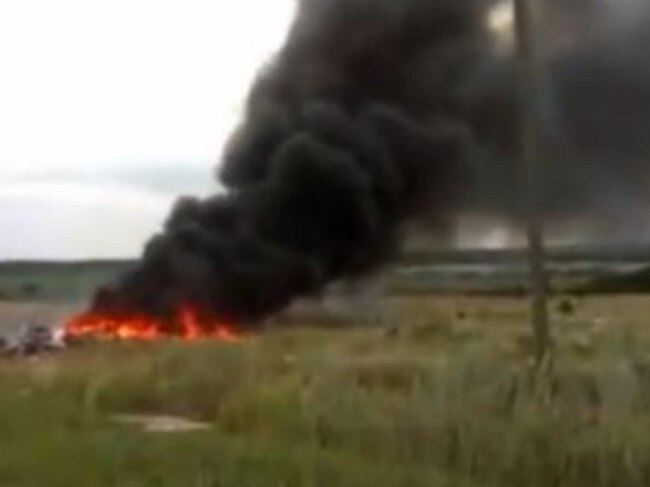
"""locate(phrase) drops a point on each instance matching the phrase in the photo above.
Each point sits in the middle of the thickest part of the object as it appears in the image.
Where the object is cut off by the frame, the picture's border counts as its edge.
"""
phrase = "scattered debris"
(583, 344)
(32, 339)
(391, 331)
(160, 424)
(566, 307)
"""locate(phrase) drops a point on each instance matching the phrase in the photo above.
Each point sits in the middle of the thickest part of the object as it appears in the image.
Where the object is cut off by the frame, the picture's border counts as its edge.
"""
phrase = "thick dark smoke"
(376, 113)
(597, 105)
(353, 129)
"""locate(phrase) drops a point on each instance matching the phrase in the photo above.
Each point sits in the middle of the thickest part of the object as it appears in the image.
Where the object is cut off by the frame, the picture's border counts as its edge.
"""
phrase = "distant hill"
(630, 253)
(57, 281)
(633, 282)
(623, 268)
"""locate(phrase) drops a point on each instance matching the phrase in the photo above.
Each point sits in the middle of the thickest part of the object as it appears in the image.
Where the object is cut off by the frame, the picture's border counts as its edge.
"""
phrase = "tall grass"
(443, 402)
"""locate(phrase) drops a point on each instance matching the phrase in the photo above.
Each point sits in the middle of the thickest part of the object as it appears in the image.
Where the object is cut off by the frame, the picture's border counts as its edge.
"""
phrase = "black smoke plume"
(373, 114)
(349, 132)
(597, 107)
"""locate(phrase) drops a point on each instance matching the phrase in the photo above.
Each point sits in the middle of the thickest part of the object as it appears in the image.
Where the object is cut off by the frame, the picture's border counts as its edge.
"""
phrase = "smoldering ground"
(376, 113)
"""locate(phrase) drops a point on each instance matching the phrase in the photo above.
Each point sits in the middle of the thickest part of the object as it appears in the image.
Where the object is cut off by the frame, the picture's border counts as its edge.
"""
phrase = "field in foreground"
(439, 395)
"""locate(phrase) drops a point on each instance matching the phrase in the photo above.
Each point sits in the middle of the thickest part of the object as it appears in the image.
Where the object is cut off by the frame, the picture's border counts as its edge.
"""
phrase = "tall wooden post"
(531, 86)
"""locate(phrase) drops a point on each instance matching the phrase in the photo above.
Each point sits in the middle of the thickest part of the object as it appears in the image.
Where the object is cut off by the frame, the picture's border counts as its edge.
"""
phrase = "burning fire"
(187, 325)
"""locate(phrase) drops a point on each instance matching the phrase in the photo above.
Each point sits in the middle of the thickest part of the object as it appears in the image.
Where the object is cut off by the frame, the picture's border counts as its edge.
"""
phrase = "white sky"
(97, 94)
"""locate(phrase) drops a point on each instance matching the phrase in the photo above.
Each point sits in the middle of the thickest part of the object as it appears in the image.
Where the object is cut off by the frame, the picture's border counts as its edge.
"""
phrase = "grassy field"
(441, 394)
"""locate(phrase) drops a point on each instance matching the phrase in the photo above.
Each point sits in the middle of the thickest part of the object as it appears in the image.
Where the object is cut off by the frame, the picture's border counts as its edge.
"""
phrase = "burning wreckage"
(32, 339)
(374, 114)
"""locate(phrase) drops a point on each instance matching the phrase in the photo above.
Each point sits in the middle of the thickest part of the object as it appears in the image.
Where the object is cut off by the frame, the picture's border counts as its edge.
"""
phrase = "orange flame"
(187, 326)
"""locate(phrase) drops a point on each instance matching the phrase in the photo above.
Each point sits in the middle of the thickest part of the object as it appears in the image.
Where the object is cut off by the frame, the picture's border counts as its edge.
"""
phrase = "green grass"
(447, 401)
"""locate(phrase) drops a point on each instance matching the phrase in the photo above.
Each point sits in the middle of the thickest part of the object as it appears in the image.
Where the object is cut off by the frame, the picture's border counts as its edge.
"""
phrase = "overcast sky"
(111, 108)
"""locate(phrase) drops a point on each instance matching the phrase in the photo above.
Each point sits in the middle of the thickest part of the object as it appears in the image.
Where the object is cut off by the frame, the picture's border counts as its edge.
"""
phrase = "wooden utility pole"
(531, 92)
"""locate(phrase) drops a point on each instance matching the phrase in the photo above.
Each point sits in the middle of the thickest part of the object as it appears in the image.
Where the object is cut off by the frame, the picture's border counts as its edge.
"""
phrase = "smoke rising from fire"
(376, 113)
(597, 107)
